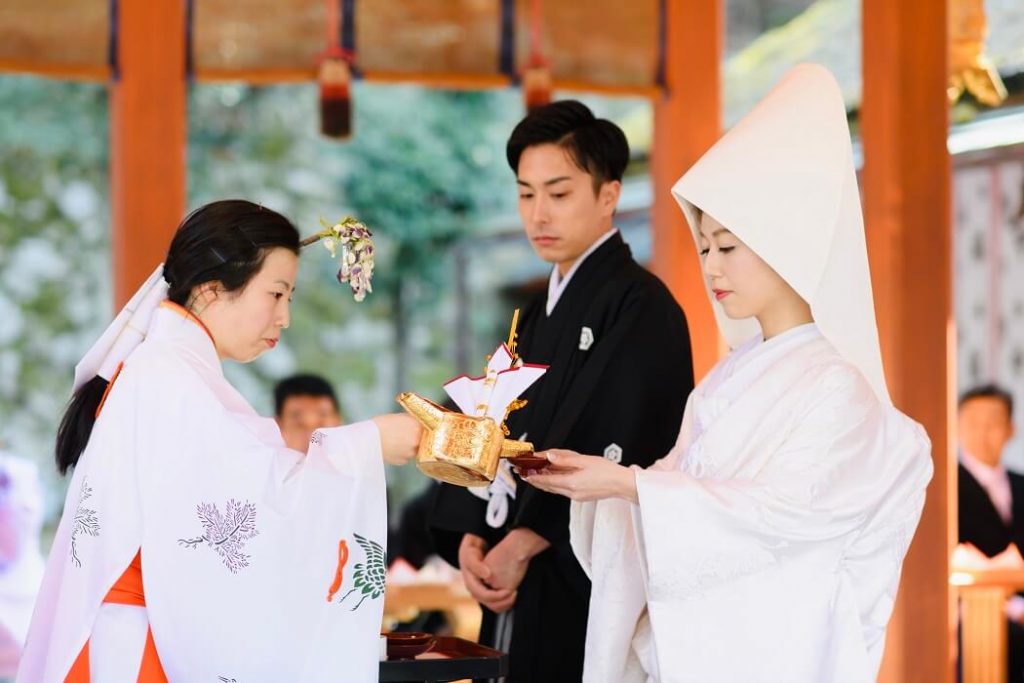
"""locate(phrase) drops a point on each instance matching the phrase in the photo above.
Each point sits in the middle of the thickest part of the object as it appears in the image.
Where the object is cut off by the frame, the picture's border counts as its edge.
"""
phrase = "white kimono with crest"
(767, 544)
(259, 563)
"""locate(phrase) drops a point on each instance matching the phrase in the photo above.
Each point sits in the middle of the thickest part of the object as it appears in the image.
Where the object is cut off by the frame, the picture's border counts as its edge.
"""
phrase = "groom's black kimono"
(620, 373)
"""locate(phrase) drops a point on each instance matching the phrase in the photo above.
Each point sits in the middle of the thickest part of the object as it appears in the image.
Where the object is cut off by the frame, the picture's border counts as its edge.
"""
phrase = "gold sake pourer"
(457, 448)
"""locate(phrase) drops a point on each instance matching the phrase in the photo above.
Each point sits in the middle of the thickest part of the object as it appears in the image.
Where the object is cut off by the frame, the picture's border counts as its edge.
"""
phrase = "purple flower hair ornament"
(355, 241)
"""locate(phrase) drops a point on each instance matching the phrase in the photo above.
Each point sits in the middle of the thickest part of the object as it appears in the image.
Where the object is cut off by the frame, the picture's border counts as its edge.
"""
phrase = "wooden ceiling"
(595, 44)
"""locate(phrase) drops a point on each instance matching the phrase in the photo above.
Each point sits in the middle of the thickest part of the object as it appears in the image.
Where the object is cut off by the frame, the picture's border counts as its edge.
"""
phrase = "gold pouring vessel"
(465, 449)
(456, 448)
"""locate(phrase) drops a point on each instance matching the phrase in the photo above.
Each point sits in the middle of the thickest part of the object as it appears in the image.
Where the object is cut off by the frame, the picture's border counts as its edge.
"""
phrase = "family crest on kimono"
(192, 537)
(767, 544)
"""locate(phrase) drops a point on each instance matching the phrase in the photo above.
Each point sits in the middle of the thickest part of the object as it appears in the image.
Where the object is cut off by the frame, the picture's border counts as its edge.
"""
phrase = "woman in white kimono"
(194, 545)
(767, 545)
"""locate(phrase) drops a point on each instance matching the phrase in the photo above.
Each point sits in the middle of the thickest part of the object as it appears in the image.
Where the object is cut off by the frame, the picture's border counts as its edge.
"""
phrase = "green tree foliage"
(55, 287)
(425, 169)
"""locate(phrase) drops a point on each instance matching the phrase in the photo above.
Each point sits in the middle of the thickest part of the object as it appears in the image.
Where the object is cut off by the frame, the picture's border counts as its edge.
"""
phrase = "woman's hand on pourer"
(476, 573)
(399, 437)
(584, 477)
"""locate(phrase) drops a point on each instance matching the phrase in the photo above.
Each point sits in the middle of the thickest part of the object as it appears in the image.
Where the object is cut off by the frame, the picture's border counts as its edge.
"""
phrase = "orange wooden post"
(906, 184)
(147, 138)
(687, 121)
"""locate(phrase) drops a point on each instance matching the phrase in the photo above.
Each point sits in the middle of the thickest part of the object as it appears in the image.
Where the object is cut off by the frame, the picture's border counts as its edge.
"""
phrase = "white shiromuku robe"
(259, 563)
(767, 544)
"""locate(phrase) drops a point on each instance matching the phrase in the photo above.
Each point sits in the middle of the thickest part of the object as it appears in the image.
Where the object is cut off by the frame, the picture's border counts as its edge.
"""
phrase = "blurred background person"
(991, 498)
(21, 564)
(304, 403)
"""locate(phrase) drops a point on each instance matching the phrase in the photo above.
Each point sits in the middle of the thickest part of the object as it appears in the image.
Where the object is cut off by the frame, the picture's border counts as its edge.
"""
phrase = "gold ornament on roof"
(969, 68)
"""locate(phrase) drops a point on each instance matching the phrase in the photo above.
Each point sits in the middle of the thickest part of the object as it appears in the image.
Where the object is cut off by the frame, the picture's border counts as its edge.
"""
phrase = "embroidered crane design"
(86, 521)
(368, 577)
(226, 533)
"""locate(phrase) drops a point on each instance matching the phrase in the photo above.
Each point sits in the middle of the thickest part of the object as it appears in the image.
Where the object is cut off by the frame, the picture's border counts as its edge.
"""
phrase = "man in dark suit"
(991, 499)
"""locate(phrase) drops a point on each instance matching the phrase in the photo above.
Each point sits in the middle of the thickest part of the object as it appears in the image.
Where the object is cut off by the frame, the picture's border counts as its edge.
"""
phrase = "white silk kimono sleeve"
(264, 548)
(259, 563)
(780, 562)
(786, 570)
(619, 645)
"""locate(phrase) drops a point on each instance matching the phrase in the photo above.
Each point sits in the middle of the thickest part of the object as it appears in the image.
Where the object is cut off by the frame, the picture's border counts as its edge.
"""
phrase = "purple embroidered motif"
(226, 534)
(86, 522)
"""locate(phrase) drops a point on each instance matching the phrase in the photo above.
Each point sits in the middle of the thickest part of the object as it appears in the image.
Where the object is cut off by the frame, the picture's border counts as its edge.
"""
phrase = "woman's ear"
(205, 294)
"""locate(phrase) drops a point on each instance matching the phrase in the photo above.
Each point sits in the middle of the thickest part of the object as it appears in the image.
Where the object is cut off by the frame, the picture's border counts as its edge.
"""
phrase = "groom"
(609, 330)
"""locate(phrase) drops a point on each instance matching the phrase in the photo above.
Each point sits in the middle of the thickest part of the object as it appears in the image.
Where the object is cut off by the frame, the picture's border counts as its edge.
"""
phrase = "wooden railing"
(983, 594)
(404, 601)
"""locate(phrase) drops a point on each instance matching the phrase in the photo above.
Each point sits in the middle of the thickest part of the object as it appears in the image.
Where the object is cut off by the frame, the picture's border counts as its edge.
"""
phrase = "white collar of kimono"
(735, 374)
(173, 324)
(783, 181)
(758, 347)
(557, 284)
(125, 333)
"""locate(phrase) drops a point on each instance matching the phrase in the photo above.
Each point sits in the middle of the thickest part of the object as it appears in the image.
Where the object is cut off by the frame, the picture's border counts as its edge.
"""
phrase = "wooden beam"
(687, 121)
(906, 184)
(448, 81)
(147, 138)
(56, 70)
(285, 75)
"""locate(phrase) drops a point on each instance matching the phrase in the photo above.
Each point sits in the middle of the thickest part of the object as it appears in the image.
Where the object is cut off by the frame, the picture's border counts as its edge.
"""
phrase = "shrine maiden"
(194, 545)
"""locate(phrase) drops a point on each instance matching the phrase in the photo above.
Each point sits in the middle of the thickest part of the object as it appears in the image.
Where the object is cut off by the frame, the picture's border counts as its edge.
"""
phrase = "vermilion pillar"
(148, 138)
(687, 121)
(906, 185)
